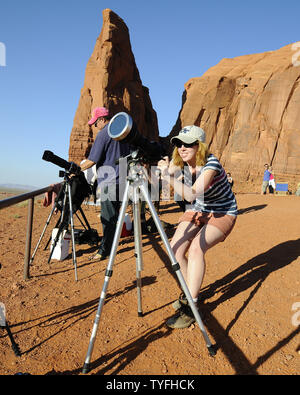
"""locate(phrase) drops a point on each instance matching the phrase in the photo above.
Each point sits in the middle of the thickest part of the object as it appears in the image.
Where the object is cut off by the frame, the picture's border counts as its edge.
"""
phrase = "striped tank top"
(218, 198)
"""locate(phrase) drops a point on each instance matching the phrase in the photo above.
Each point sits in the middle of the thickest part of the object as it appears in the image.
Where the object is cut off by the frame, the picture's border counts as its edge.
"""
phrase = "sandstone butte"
(248, 106)
(111, 80)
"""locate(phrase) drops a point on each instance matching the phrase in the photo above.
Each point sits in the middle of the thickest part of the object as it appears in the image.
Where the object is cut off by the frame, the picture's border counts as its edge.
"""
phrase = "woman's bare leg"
(208, 237)
(181, 241)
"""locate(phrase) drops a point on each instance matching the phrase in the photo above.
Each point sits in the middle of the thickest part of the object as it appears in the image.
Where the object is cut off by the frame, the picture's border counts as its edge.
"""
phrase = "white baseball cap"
(190, 134)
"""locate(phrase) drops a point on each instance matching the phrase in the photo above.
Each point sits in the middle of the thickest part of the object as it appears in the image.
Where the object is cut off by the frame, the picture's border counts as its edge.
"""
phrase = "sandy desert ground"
(250, 308)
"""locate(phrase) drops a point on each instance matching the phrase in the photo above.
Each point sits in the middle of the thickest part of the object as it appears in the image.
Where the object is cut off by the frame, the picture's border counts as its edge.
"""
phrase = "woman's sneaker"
(182, 319)
(181, 301)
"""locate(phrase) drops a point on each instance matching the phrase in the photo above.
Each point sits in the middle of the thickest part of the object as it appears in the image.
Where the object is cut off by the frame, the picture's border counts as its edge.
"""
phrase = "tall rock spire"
(111, 80)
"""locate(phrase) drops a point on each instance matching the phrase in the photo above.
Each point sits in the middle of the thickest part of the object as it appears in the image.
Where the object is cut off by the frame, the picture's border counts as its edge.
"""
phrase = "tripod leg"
(80, 220)
(63, 220)
(176, 268)
(46, 246)
(72, 231)
(138, 247)
(108, 275)
(57, 199)
(42, 235)
(84, 217)
(60, 229)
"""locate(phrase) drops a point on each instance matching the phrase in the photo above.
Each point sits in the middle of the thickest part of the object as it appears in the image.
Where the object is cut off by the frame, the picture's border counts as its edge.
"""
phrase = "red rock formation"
(249, 107)
(111, 80)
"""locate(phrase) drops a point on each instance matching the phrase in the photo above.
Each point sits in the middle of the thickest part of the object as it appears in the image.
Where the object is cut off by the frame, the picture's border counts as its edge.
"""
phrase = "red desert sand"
(250, 300)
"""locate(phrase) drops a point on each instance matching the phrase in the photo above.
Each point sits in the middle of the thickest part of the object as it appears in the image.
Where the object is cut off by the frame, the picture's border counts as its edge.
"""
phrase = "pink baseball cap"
(97, 113)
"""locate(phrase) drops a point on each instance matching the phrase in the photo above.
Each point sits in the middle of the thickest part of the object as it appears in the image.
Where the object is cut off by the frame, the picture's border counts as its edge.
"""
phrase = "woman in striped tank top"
(210, 215)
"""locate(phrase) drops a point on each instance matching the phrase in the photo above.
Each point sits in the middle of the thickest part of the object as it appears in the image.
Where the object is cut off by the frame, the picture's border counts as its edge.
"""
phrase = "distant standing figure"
(266, 179)
(230, 179)
(272, 185)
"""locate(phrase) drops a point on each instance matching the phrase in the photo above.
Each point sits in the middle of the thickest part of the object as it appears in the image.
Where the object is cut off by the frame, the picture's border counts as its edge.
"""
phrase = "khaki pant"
(264, 187)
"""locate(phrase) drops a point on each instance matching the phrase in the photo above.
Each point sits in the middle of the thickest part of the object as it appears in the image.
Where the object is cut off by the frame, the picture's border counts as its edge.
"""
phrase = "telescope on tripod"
(73, 191)
(122, 128)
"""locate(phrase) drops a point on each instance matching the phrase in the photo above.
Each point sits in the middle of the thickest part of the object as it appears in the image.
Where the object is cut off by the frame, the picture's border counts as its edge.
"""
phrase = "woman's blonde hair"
(201, 155)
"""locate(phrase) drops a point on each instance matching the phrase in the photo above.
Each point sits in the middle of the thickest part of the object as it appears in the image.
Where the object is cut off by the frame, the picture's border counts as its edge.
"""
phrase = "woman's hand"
(174, 170)
(168, 168)
(163, 166)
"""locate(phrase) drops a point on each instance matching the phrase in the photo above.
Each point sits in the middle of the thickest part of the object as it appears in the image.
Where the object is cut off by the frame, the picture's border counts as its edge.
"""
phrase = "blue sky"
(48, 44)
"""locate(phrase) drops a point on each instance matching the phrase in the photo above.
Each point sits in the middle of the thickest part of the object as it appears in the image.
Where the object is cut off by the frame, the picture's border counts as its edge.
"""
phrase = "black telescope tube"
(122, 128)
(152, 150)
(69, 166)
(50, 157)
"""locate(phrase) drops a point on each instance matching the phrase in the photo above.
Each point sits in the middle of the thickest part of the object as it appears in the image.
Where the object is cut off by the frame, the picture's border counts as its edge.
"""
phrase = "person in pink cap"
(99, 113)
(104, 153)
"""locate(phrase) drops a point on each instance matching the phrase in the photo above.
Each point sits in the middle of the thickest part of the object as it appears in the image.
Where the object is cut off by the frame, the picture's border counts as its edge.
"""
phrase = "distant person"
(298, 190)
(272, 184)
(266, 179)
(230, 179)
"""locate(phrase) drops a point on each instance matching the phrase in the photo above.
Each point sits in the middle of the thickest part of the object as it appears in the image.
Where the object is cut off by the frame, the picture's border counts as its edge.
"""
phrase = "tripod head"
(134, 159)
(80, 189)
(63, 174)
(137, 157)
(66, 175)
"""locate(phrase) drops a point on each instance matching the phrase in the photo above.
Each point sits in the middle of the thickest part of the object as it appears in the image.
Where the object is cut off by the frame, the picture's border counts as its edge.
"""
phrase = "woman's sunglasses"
(179, 144)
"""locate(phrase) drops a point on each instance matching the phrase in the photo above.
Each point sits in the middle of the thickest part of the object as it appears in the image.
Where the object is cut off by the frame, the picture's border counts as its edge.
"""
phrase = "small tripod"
(65, 219)
(135, 185)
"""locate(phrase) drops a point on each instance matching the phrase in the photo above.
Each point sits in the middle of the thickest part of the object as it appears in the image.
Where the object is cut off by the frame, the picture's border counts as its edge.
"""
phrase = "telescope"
(70, 167)
(122, 128)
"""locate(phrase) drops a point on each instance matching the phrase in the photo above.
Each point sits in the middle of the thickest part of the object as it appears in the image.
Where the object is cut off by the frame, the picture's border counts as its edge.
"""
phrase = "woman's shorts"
(221, 221)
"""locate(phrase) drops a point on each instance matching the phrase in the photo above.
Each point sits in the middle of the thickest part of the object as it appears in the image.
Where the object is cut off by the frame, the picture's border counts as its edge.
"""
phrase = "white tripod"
(136, 185)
